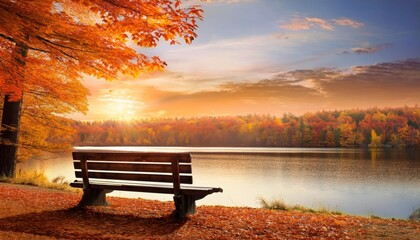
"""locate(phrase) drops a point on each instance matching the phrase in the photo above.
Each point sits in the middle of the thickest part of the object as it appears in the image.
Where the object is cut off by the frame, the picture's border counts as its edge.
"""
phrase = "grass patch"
(415, 215)
(39, 179)
(279, 204)
(373, 216)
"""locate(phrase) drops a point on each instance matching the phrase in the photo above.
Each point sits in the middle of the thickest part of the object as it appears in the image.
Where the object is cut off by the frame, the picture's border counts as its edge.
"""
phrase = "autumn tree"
(329, 138)
(347, 135)
(376, 140)
(307, 138)
(48, 46)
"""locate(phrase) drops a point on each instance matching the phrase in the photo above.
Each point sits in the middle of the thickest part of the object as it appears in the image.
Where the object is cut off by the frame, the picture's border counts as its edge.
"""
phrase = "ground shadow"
(89, 224)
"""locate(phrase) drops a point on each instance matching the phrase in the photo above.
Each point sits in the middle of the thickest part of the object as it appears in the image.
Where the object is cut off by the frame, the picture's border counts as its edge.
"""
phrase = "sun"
(118, 104)
(122, 109)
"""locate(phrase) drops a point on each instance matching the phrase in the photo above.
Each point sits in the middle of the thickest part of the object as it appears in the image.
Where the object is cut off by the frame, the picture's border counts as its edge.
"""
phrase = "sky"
(275, 57)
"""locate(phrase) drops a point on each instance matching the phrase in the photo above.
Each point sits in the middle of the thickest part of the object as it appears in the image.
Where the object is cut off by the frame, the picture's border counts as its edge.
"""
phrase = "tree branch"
(7, 38)
(61, 45)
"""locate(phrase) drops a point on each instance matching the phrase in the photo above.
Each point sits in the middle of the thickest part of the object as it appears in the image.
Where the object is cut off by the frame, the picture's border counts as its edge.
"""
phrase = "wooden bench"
(101, 172)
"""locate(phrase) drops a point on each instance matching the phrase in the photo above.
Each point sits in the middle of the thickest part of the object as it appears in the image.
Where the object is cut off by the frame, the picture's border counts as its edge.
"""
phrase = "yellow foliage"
(38, 178)
(376, 139)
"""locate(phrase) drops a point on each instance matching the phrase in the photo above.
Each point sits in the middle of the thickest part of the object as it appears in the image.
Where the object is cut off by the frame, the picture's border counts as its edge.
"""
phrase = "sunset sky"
(274, 57)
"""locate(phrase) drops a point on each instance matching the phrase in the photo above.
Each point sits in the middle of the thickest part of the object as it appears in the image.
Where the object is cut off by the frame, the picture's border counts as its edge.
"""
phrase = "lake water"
(383, 182)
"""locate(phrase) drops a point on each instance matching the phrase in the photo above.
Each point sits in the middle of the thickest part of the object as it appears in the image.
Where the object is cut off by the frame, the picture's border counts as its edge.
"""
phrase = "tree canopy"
(48, 46)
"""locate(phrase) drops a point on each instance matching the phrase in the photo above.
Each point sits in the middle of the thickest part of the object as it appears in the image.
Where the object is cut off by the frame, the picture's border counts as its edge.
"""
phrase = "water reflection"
(383, 182)
(357, 185)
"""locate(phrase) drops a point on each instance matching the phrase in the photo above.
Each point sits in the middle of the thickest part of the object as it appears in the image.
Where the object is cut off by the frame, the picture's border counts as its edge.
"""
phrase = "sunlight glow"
(122, 109)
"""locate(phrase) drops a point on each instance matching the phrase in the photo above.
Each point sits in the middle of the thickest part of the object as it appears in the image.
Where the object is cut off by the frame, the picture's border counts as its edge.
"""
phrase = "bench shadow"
(77, 223)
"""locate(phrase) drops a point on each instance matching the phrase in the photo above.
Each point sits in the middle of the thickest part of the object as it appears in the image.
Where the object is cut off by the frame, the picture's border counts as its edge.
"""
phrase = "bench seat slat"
(132, 156)
(133, 167)
(151, 188)
(135, 177)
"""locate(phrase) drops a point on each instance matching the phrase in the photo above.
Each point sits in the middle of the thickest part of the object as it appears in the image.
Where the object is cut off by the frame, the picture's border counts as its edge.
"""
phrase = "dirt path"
(37, 213)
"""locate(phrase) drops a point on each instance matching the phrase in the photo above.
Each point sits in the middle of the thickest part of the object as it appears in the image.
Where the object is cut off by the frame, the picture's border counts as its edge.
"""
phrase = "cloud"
(319, 22)
(391, 84)
(348, 22)
(242, 57)
(386, 84)
(345, 52)
(298, 23)
(263, 97)
(371, 49)
(282, 36)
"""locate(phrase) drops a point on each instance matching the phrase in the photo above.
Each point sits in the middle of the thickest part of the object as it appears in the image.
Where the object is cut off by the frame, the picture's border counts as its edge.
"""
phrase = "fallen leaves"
(36, 213)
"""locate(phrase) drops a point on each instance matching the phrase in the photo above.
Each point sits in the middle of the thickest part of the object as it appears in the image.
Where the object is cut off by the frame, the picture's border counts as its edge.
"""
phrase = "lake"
(382, 182)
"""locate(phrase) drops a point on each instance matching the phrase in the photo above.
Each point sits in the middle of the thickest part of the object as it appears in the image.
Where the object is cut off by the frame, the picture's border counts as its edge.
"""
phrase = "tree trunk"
(11, 120)
(9, 137)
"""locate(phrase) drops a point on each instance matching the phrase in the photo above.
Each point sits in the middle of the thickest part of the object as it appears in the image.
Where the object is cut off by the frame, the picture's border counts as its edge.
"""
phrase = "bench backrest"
(134, 166)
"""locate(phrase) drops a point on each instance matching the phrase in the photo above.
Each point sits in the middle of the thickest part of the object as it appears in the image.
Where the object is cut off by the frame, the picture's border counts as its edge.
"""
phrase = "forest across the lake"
(374, 127)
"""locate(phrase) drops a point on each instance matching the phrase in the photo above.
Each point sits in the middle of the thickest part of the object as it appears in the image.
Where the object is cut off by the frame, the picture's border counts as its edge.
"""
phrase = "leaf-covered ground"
(37, 213)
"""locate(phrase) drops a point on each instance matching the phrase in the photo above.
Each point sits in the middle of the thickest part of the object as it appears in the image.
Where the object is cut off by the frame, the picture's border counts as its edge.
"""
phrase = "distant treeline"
(350, 128)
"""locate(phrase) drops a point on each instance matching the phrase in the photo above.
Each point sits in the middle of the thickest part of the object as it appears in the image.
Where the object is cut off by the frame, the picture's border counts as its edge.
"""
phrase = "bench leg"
(94, 197)
(184, 205)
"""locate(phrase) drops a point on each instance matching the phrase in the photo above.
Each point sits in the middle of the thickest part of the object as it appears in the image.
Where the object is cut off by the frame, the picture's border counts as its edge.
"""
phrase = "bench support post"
(94, 197)
(184, 205)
